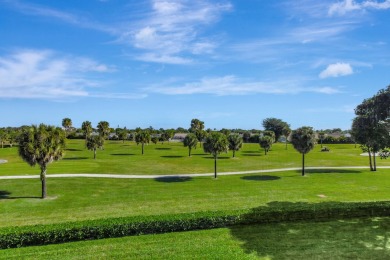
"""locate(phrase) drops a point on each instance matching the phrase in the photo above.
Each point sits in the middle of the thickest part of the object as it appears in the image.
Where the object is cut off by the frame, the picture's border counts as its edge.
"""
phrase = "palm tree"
(67, 124)
(104, 130)
(303, 140)
(286, 132)
(215, 144)
(321, 135)
(266, 143)
(93, 143)
(86, 126)
(42, 145)
(235, 143)
(142, 137)
(190, 141)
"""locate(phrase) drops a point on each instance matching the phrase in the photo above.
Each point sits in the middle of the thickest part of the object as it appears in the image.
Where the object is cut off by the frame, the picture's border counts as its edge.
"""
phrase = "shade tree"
(303, 140)
(41, 145)
(191, 142)
(93, 143)
(215, 143)
(276, 125)
(235, 143)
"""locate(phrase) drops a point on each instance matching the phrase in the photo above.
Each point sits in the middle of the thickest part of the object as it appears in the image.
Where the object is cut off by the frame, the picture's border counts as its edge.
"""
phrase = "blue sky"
(162, 63)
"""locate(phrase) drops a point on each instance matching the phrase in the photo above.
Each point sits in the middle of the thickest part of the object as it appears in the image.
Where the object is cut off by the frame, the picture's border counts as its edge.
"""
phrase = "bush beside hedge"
(117, 227)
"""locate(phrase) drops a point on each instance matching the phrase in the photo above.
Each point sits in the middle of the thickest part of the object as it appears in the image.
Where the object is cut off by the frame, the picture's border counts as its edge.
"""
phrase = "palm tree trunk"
(94, 154)
(43, 181)
(369, 158)
(303, 164)
(189, 152)
(234, 153)
(142, 148)
(374, 162)
(215, 167)
(286, 143)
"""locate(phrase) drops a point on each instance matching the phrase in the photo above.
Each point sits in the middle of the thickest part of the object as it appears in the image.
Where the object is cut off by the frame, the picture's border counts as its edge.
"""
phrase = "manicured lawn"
(344, 239)
(72, 199)
(126, 158)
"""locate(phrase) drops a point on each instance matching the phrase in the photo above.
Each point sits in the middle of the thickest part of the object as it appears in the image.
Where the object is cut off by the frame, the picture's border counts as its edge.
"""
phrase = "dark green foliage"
(216, 143)
(303, 140)
(118, 227)
(190, 141)
(93, 143)
(266, 142)
(235, 143)
(275, 125)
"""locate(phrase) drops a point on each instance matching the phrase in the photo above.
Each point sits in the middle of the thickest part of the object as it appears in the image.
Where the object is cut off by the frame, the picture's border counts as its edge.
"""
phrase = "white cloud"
(172, 30)
(45, 74)
(337, 70)
(231, 85)
(346, 6)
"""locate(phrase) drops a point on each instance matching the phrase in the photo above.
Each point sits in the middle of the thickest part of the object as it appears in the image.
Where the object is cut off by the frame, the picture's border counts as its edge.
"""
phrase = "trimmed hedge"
(117, 227)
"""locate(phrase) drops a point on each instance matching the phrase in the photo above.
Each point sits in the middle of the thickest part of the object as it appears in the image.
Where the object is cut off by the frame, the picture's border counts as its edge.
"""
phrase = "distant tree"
(235, 143)
(94, 142)
(321, 135)
(122, 135)
(286, 132)
(143, 138)
(197, 127)
(191, 142)
(303, 140)
(276, 125)
(104, 130)
(169, 134)
(270, 134)
(3, 137)
(154, 139)
(216, 143)
(67, 124)
(246, 136)
(42, 145)
(13, 135)
(86, 126)
(266, 142)
(225, 131)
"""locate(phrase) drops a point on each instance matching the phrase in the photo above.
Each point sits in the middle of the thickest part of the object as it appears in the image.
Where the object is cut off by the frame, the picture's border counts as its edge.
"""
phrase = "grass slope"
(126, 158)
(86, 198)
(351, 239)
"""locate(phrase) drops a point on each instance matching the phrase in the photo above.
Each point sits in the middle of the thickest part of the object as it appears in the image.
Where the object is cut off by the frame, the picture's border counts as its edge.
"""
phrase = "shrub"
(117, 227)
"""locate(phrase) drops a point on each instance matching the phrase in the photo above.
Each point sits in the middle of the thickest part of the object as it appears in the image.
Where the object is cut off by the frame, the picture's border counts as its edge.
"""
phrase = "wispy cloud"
(337, 70)
(232, 85)
(46, 74)
(347, 6)
(39, 10)
(171, 32)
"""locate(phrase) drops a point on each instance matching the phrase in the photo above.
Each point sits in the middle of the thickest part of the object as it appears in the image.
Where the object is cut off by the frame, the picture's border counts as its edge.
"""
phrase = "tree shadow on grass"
(73, 150)
(172, 156)
(163, 148)
(260, 178)
(314, 171)
(219, 157)
(75, 158)
(330, 238)
(122, 154)
(251, 153)
(5, 195)
(173, 179)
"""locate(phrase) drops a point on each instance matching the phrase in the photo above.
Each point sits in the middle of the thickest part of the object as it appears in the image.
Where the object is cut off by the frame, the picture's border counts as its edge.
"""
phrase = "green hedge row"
(117, 227)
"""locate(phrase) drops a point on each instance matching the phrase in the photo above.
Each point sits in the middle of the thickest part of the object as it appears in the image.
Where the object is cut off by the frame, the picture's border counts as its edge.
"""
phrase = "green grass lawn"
(72, 199)
(344, 239)
(126, 158)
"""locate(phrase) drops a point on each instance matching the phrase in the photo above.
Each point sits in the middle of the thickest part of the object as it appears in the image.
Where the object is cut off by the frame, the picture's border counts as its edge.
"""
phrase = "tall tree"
(235, 143)
(191, 142)
(67, 124)
(276, 125)
(216, 143)
(266, 142)
(93, 143)
(86, 126)
(321, 135)
(142, 137)
(103, 128)
(42, 145)
(197, 127)
(303, 140)
(286, 132)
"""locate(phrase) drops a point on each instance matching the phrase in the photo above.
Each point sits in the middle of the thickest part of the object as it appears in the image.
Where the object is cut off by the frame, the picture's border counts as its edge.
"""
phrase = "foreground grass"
(85, 198)
(344, 239)
(126, 158)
